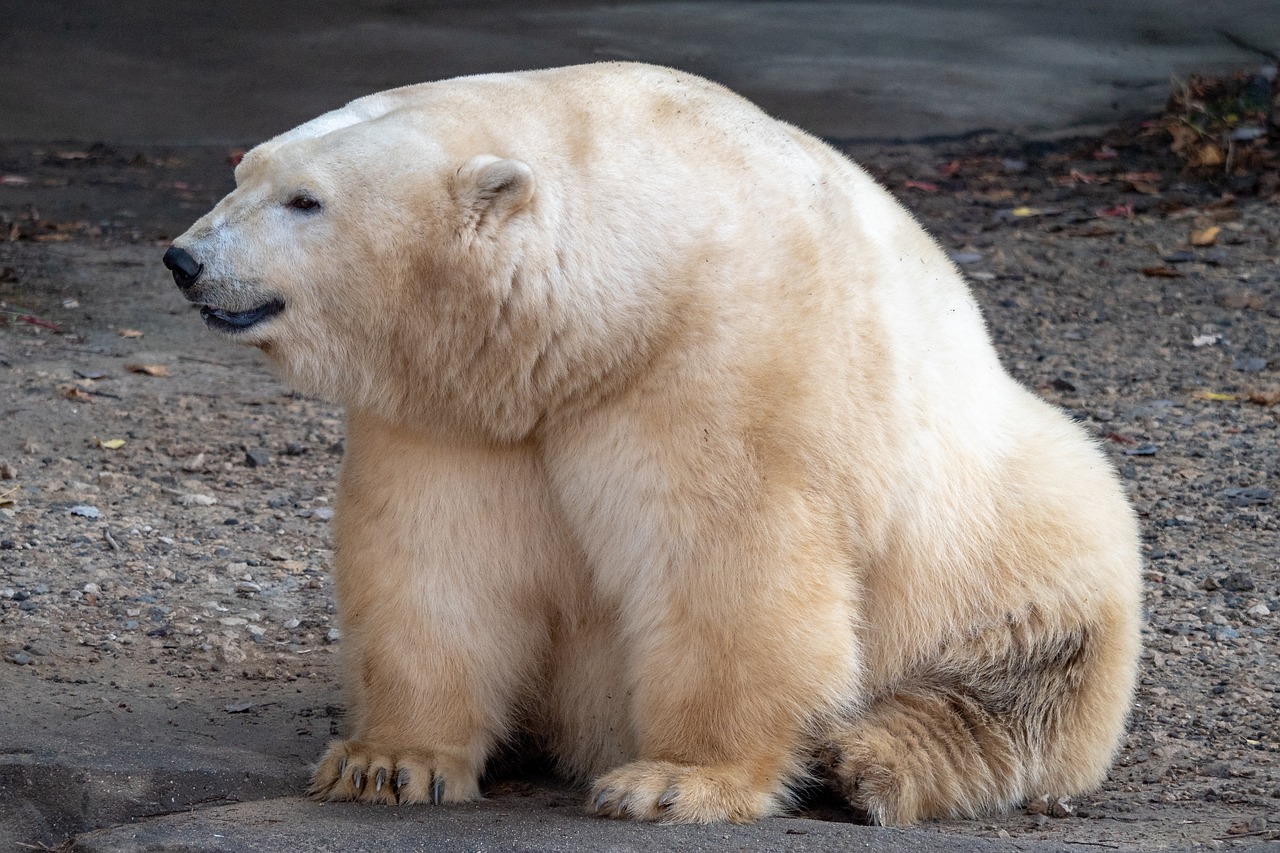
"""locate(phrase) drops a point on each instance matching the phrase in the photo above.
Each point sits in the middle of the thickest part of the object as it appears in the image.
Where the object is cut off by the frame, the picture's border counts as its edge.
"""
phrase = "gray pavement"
(160, 71)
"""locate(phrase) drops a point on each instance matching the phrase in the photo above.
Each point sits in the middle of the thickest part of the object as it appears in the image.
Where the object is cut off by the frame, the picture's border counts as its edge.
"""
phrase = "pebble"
(256, 457)
(21, 658)
(1238, 582)
(333, 635)
(91, 588)
(291, 624)
(1259, 610)
(194, 499)
(323, 513)
(86, 511)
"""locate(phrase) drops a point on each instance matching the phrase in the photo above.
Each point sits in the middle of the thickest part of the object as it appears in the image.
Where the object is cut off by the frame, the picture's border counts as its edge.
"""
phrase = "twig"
(111, 540)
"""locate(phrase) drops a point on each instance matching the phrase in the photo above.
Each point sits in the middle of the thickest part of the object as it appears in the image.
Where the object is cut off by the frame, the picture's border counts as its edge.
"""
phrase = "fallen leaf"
(1161, 272)
(1205, 237)
(921, 185)
(1208, 155)
(1264, 398)
(1125, 210)
(75, 392)
(36, 321)
(130, 333)
(1252, 301)
(110, 444)
(148, 369)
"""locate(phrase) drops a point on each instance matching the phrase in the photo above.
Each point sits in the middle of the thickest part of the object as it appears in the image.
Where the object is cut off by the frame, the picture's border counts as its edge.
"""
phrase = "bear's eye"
(303, 202)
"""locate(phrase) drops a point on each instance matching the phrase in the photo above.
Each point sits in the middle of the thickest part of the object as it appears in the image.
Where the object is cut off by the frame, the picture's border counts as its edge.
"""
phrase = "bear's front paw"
(354, 770)
(681, 793)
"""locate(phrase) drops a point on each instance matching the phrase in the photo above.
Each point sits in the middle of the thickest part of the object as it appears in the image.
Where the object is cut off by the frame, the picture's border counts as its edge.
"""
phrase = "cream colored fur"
(675, 442)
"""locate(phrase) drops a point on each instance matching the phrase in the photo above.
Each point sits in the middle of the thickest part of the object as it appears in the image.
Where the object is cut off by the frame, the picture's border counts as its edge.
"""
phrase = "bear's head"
(379, 269)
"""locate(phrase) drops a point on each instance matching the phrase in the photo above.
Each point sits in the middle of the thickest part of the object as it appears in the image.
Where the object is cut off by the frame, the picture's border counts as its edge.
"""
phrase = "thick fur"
(674, 441)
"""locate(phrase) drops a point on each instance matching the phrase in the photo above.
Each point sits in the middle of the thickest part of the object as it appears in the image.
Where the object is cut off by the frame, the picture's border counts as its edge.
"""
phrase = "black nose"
(184, 267)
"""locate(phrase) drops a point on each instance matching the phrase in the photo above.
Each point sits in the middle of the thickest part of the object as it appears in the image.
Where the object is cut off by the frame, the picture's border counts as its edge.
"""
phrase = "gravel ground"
(164, 500)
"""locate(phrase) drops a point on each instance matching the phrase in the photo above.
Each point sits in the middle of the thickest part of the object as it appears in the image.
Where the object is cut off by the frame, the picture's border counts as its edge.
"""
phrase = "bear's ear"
(492, 189)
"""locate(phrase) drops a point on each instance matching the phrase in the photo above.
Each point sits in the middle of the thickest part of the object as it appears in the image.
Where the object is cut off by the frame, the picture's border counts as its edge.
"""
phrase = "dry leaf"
(1253, 301)
(130, 333)
(109, 444)
(1264, 398)
(148, 369)
(1205, 237)
(1208, 155)
(74, 392)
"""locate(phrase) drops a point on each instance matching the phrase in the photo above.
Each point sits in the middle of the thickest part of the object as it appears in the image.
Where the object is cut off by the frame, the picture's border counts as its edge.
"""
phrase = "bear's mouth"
(236, 322)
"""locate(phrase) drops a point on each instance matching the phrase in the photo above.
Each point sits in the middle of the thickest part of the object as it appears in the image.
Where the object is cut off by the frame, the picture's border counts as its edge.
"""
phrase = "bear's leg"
(1019, 712)
(728, 676)
(443, 565)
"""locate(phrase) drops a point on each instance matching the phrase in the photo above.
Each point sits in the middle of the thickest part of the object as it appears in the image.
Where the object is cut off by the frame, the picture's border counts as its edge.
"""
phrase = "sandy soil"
(164, 500)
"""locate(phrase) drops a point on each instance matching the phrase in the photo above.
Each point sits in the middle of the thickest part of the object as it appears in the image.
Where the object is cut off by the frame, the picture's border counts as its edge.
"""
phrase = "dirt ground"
(164, 500)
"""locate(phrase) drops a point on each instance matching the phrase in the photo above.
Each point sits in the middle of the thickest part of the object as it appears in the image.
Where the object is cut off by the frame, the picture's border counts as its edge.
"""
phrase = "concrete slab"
(506, 824)
(182, 72)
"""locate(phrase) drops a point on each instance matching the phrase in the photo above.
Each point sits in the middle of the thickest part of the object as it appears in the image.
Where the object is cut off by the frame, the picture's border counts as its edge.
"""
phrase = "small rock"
(1248, 496)
(194, 464)
(197, 500)
(1238, 582)
(233, 621)
(1249, 364)
(21, 659)
(1142, 450)
(247, 588)
(86, 511)
(1060, 808)
(333, 635)
(1259, 610)
(230, 653)
(291, 624)
(8, 472)
(256, 457)
(294, 449)
(323, 513)
(28, 605)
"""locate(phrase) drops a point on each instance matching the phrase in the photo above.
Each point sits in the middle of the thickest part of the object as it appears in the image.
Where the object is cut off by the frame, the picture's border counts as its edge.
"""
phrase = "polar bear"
(675, 443)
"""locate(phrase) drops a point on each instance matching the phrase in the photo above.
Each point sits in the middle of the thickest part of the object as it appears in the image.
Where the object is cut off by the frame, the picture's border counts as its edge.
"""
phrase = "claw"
(357, 778)
(402, 778)
(380, 779)
(668, 798)
(601, 799)
(437, 791)
(342, 767)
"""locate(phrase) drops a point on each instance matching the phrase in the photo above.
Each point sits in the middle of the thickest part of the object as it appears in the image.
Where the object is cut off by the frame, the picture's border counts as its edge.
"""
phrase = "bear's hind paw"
(356, 771)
